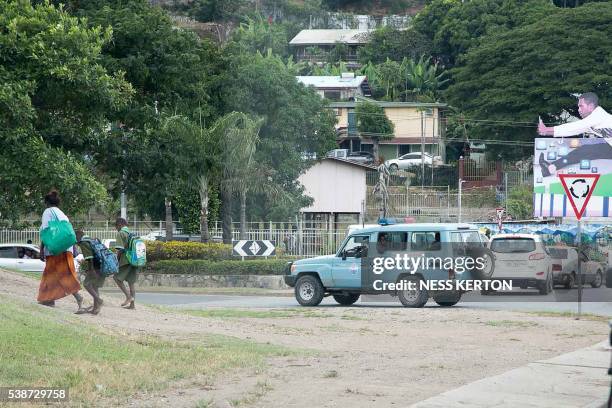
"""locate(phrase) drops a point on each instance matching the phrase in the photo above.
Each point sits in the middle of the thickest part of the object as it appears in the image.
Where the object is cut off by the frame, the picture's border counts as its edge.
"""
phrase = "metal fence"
(291, 239)
(437, 204)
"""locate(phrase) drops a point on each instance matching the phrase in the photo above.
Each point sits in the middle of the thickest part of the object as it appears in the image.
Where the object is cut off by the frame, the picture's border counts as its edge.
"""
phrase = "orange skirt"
(59, 278)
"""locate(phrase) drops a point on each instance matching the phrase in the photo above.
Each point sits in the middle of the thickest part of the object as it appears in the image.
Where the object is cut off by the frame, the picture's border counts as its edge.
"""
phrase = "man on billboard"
(595, 121)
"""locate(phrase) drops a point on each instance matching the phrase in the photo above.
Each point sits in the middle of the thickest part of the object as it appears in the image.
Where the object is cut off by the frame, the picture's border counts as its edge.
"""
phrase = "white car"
(21, 257)
(412, 159)
(565, 268)
(522, 258)
(25, 258)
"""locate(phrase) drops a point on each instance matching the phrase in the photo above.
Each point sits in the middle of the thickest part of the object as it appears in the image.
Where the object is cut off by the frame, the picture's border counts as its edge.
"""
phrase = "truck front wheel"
(309, 291)
(414, 297)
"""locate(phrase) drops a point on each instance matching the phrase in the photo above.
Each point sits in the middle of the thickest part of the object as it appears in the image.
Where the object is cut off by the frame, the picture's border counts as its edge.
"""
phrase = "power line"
(484, 141)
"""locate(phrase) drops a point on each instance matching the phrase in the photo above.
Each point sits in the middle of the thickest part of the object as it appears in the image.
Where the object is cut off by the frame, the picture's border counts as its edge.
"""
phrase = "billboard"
(571, 156)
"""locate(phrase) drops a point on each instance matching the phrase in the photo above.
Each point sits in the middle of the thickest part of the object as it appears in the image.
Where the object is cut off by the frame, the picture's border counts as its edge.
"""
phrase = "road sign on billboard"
(579, 189)
(555, 157)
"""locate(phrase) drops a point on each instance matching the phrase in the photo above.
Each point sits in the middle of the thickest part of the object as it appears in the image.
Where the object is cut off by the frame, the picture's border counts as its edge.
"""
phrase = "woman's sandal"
(84, 310)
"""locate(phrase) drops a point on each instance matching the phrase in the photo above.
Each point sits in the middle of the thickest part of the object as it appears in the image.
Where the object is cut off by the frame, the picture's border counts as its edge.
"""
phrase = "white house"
(338, 188)
(338, 88)
(313, 45)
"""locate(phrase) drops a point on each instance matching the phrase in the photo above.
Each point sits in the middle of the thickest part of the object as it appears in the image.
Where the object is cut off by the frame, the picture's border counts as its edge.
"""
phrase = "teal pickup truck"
(411, 261)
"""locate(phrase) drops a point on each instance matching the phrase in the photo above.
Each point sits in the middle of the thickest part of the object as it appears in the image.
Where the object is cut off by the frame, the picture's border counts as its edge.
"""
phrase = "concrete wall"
(335, 186)
(206, 281)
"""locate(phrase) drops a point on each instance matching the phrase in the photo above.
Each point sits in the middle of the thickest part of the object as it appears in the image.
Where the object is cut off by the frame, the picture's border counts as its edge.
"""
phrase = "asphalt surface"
(558, 301)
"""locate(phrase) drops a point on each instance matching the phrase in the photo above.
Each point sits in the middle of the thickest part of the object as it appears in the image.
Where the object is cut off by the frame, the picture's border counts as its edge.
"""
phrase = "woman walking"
(59, 279)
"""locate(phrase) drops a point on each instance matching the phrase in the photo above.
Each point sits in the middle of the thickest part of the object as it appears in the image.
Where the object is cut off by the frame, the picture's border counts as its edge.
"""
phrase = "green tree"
(55, 96)
(257, 35)
(454, 26)
(216, 10)
(422, 80)
(296, 119)
(372, 123)
(175, 76)
(239, 135)
(514, 76)
(520, 203)
(388, 43)
(390, 79)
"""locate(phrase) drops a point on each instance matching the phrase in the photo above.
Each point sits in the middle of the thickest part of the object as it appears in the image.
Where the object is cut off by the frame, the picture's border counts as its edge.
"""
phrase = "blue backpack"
(104, 257)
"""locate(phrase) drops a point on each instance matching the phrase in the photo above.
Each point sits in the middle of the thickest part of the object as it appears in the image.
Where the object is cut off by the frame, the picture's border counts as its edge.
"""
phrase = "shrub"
(206, 267)
(158, 251)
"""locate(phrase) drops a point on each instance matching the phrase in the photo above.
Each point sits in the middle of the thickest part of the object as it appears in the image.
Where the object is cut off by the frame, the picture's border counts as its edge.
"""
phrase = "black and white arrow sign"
(254, 248)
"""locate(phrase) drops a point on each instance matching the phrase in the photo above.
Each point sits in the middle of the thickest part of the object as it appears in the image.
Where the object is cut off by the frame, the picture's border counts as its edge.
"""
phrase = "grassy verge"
(583, 316)
(257, 314)
(40, 347)
(33, 275)
(250, 313)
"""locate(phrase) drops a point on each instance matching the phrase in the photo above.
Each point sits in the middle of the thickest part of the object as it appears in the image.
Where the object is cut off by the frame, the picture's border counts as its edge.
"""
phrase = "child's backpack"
(136, 252)
(104, 257)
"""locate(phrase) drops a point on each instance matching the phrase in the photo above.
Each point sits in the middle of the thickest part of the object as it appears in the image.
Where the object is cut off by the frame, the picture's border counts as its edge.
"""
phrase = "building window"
(403, 149)
(332, 95)
(352, 123)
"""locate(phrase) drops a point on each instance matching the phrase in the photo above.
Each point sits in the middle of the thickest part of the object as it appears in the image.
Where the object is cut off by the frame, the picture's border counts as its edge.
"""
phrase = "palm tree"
(238, 134)
(421, 78)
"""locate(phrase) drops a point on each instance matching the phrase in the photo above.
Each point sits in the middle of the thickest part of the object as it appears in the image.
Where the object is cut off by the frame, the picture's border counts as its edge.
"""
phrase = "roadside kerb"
(576, 379)
(207, 281)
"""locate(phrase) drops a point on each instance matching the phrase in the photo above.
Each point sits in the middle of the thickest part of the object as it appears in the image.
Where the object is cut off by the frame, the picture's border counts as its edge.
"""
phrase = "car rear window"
(8, 252)
(557, 253)
(513, 245)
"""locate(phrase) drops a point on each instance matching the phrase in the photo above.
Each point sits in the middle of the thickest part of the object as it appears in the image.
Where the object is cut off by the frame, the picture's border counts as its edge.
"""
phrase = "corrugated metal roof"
(323, 82)
(330, 37)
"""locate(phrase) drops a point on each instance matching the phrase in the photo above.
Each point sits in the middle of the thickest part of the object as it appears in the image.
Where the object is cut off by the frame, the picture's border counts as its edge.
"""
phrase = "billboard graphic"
(571, 156)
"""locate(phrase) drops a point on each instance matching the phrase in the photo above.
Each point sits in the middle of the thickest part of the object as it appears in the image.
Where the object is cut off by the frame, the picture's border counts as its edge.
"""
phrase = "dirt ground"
(355, 356)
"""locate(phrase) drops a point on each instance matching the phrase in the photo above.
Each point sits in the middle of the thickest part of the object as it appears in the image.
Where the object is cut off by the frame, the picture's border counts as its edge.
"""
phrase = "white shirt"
(47, 216)
(598, 123)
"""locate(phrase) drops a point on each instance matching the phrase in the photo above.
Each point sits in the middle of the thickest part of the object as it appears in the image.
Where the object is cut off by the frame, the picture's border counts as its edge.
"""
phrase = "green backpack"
(136, 252)
(58, 236)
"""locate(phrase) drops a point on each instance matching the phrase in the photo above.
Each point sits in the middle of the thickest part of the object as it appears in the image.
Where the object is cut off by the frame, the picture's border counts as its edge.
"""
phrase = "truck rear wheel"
(545, 287)
(346, 300)
(413, 298)
(309, 290)
(447, 299)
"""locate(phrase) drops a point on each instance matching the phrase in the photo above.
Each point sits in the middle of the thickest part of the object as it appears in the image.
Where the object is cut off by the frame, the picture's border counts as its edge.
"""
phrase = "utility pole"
(123, 178)
(422, 152)
(459, 199)
(506, 192)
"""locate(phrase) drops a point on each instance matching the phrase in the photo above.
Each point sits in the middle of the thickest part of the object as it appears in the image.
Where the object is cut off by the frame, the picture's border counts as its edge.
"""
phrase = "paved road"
(528, 302)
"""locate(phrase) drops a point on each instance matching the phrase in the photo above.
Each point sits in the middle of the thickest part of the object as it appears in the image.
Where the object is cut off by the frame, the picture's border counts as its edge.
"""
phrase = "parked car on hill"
(361, 157)
(413, 159)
